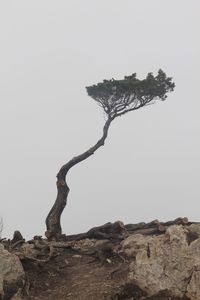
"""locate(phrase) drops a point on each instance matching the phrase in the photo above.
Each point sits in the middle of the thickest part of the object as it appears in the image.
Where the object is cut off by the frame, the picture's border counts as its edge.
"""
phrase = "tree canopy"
(117, 97)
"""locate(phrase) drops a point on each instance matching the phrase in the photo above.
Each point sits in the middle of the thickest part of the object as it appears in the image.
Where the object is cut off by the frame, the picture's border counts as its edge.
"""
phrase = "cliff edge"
(142, 261)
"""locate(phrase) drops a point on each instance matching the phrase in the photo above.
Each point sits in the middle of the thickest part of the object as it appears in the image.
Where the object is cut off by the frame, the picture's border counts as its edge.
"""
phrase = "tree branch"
(75, 160)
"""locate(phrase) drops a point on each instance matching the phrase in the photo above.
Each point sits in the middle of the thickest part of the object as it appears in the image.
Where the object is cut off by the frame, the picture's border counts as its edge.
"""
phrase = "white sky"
(150, 165)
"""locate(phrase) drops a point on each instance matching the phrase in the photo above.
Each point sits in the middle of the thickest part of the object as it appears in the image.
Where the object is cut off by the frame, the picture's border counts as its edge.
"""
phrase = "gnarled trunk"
(53, 225)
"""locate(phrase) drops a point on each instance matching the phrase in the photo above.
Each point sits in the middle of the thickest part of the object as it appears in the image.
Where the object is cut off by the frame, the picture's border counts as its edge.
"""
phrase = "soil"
(73, 275)
(82, 275)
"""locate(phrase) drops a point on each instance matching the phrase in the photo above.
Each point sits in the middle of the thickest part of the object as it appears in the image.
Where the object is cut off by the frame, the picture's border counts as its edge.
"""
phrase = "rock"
(77, 256)
(29, 250)
(193, 290)
(12, 276)
(134, 244)
(166, 263)
(193, 232)
(84, 244)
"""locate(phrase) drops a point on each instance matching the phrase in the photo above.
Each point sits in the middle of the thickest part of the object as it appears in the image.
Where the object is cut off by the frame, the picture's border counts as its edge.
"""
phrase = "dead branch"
(17, 236)
(17, 243)
(114, 231)
(110, 231)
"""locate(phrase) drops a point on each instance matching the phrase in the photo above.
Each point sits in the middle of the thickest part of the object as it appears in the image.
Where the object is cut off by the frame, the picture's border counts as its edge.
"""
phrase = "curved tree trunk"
(54, 229)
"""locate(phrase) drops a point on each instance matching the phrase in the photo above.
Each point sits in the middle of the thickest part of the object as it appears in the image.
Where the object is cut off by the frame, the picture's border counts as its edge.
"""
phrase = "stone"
(193, 232)
(12, 276)
(194, 228)
(84, 244)
(29, 250)
(166, 263)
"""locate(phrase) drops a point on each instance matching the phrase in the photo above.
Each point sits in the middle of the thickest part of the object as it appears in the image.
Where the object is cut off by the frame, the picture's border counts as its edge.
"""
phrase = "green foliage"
(120, 96)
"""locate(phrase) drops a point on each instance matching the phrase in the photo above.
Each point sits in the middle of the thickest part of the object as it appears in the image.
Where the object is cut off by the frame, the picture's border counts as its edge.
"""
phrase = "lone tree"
(116, 97)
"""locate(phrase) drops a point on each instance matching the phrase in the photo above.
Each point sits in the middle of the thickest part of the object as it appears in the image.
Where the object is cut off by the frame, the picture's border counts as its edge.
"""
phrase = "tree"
(116, 97)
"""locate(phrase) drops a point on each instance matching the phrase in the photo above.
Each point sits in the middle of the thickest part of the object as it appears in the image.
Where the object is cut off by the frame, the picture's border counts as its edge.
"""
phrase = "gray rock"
(11, 274)
(193, 232)
(166, 262)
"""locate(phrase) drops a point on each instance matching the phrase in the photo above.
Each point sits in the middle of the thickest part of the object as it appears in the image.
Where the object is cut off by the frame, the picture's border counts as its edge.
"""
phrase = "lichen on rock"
(11, 274)
(166, 262)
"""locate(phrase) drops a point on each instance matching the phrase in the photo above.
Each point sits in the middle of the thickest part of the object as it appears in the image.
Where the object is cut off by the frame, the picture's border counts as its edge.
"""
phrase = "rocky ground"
(142, 261)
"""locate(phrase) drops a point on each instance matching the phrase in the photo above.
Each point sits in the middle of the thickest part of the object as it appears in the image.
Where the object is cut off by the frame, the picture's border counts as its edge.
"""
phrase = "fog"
(149, 167)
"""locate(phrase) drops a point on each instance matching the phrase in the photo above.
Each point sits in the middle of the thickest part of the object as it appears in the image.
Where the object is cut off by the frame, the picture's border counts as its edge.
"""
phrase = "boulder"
(12, 275)
(168, 263)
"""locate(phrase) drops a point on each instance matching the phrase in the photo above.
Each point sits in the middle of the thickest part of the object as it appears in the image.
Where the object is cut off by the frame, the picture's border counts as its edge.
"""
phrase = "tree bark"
(53, 225)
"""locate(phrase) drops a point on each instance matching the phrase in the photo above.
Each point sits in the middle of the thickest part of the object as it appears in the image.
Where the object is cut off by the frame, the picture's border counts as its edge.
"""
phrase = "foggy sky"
(149, 167)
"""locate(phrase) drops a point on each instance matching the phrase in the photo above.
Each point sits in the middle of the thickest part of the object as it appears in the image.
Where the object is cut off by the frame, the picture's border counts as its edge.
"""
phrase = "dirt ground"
(73, 275)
